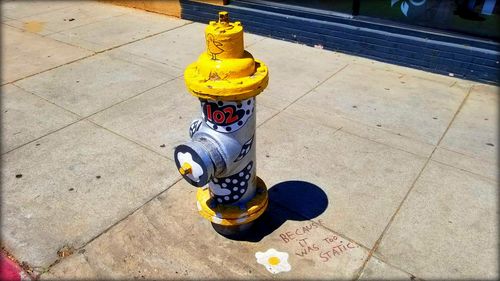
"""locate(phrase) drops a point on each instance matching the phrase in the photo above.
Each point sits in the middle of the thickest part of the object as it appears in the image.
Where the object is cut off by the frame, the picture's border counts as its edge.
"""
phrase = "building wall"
(463, 57)
(454, 55)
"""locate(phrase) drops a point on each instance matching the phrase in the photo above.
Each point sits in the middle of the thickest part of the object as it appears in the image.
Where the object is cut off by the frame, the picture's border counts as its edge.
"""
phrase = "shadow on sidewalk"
(289, 200)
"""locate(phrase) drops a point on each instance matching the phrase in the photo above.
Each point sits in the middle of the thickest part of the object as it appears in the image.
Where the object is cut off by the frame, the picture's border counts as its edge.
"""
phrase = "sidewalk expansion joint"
(42, 136)
(129, 98)
(86, 24)
(130, 140)
(93, 53)
(143, 38)
(303, 95)
(492, 180)
(455, 115)
(86, 118)
(43, 98)
(116, 223)
(379, 240)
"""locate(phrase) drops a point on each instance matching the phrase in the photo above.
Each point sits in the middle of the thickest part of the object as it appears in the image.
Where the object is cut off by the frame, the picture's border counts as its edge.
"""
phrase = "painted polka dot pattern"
(228, 190)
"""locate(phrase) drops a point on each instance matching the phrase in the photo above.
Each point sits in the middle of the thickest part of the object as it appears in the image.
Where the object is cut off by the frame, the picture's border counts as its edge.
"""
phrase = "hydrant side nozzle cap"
(194, 163)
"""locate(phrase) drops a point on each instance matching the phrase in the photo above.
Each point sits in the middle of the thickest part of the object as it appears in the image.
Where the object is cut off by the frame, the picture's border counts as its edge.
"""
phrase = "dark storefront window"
(338, 6)
(473, 17)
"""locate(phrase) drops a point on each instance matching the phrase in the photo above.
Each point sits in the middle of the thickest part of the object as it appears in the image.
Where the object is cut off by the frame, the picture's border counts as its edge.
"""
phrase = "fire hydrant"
(220, 157)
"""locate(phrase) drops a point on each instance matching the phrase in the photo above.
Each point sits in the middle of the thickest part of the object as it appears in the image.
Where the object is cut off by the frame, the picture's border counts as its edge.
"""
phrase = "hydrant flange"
(232, 215)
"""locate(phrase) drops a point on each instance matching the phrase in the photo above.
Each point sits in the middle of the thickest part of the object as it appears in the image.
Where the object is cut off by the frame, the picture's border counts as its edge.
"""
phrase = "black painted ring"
(196, 158)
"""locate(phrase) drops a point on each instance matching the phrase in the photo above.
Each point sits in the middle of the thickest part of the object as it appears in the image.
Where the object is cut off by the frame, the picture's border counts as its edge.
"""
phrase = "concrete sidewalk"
(375, 171)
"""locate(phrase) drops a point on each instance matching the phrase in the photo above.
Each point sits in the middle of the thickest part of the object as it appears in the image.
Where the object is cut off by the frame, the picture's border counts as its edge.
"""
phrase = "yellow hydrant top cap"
(225, 71)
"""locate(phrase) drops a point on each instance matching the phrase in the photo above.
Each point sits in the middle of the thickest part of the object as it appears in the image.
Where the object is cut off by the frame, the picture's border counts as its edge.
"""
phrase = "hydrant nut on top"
(220, 157)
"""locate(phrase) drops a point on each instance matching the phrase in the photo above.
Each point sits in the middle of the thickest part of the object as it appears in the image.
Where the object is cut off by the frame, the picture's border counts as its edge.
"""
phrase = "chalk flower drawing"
(274, 261)
(404, 4)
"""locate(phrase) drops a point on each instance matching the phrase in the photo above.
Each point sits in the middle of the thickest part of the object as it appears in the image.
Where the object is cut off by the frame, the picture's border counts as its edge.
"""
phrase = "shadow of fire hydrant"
(289, 200)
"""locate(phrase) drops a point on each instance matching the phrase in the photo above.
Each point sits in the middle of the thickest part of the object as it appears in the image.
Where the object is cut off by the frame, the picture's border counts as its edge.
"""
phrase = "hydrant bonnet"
(226, 71)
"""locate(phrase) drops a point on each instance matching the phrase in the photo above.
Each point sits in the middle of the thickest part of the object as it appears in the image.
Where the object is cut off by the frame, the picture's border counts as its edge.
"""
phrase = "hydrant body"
(220, 158)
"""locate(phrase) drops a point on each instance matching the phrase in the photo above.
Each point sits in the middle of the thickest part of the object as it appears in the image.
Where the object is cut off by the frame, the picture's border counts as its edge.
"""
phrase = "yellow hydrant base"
(231, 215)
